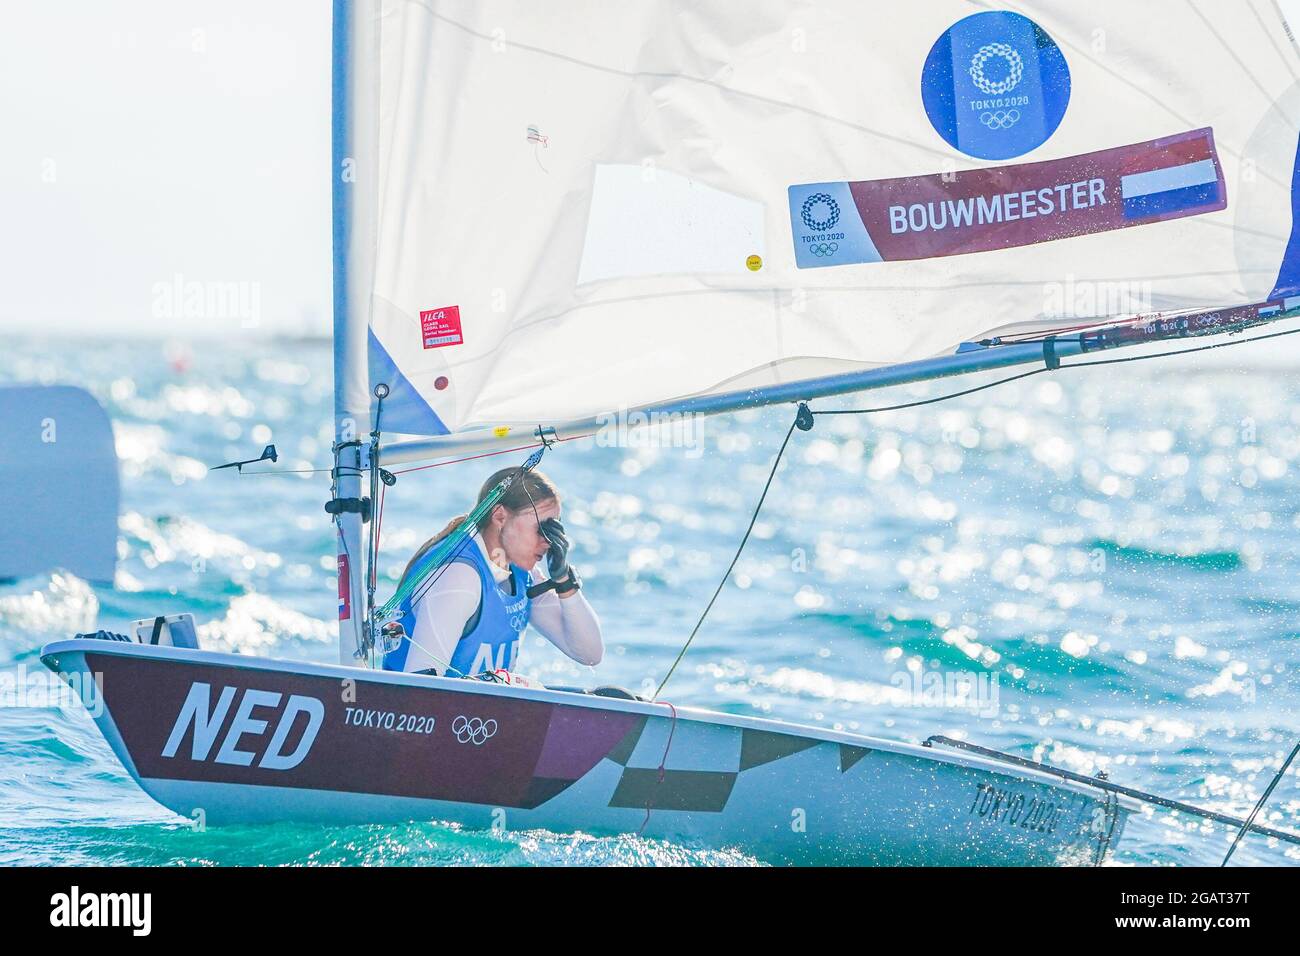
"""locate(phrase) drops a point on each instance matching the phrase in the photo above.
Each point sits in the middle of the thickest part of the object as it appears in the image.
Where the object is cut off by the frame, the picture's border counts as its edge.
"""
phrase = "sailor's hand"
(557, 555)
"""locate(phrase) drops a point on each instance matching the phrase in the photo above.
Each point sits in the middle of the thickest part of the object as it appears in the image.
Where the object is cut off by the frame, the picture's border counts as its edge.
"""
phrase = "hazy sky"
(151, 144)
(149, 139)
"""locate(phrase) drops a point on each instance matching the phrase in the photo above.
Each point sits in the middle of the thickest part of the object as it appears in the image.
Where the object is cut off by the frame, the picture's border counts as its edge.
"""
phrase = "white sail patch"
(649, 221)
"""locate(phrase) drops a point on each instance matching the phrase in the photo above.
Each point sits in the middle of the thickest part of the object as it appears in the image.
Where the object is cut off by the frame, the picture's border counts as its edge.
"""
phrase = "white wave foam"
(256, 624)
(54, 606)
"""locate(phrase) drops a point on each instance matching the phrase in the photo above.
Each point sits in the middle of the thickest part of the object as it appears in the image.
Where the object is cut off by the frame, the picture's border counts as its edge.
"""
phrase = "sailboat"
(548, 215)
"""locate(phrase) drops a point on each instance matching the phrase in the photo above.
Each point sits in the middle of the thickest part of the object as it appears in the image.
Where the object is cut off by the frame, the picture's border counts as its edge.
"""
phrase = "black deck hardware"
(338, 506)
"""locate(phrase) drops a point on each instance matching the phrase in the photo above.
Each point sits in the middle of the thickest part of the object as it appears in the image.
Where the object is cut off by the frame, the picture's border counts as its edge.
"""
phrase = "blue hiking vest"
(491, 639)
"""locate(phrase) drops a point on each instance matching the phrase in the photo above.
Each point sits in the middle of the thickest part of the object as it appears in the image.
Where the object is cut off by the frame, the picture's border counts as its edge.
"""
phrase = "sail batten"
(581, 207)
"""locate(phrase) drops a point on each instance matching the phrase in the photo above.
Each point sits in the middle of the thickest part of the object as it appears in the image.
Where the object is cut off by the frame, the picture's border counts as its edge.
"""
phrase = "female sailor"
(470, 620)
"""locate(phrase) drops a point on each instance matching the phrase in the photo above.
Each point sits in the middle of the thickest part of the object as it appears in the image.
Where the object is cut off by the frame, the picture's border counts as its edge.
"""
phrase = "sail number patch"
(439, 327)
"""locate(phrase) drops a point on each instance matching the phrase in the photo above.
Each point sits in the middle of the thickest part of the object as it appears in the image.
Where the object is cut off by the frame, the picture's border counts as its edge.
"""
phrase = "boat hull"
(230, 739)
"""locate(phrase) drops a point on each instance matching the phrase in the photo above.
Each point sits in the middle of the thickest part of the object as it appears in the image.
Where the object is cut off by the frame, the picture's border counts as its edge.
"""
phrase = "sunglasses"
(541, 529)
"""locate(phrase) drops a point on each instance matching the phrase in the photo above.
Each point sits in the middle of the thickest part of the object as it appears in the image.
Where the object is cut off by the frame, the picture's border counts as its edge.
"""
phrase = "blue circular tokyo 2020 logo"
(820, 212)
(995, 85)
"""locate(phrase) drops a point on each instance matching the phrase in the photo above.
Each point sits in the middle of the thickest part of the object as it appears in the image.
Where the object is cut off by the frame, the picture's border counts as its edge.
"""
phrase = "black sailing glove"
(557, 555)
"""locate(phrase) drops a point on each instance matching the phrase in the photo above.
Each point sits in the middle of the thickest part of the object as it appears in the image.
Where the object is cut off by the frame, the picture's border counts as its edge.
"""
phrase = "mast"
(354, 90)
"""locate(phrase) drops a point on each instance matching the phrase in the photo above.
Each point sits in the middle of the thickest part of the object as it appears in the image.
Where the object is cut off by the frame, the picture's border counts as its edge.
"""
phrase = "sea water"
(1092, 568)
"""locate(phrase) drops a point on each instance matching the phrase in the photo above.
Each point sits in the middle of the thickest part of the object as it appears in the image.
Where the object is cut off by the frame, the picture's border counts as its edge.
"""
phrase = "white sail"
(587, 206)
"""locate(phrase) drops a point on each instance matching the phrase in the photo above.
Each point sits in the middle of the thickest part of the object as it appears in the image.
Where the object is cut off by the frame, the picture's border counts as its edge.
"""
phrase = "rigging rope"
(727, 573)
(1259, 805)
(928, 401)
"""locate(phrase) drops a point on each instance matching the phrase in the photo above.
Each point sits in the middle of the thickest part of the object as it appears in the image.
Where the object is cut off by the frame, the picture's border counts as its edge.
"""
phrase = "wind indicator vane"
(268, 454)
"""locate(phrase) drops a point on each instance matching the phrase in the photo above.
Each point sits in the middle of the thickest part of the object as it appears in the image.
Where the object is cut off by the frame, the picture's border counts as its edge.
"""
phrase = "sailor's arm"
(570, 623)
(562, 614)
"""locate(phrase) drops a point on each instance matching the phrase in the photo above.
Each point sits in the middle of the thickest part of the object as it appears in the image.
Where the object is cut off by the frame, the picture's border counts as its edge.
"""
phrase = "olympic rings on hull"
(473, 730)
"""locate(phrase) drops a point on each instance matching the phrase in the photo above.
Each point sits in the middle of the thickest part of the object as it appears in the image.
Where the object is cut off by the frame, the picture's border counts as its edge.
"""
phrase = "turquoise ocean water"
(1111, 555)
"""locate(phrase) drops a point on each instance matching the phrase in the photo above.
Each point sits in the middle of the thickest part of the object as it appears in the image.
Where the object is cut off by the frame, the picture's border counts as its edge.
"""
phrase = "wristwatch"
(574, 583)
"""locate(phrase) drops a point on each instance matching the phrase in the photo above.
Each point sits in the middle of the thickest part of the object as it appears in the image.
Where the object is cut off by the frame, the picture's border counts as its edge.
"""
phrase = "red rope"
(379, 525)
(486, 454)
(439, 464)
(672, 728)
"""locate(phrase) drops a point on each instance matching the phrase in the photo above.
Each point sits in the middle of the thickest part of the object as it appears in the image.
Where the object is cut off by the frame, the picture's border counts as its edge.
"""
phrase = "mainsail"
(579, 207)
(548, 213)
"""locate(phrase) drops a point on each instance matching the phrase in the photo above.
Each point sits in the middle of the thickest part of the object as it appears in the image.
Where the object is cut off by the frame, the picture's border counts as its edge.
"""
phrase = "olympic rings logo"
(1015, 68)
(832, 213)
(823, 249)
(1000, 119)
(472, 730)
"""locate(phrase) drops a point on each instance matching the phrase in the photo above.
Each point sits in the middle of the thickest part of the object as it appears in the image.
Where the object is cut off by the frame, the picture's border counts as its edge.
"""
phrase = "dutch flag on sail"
(1172, 186)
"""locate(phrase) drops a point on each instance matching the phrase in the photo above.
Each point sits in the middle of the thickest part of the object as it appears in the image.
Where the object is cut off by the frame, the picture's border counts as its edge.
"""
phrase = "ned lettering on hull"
(202, 721)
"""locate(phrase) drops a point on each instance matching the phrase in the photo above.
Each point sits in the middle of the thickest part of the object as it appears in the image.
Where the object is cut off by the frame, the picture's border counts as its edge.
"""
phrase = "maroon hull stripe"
(201, 722)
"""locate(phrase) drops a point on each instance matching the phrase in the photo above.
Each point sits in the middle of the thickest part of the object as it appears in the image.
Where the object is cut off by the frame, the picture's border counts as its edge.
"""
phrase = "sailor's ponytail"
(425, 548)
(452, 525)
